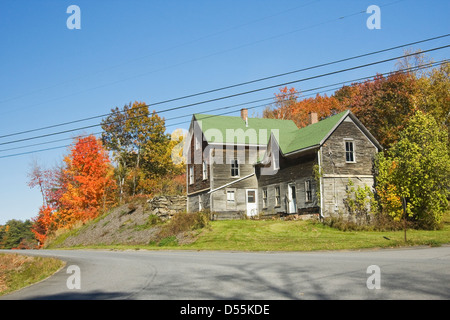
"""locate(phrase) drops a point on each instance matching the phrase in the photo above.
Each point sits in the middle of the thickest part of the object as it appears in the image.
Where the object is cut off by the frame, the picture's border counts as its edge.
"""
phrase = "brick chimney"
(244, 114)
(313, 117)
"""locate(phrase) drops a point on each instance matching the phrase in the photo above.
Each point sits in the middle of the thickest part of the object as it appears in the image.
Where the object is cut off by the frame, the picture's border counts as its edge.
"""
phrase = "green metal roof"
(228, 129)
(309, 136)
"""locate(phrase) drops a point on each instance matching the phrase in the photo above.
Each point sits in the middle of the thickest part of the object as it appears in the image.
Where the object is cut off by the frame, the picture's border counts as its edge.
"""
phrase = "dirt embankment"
(129, 224)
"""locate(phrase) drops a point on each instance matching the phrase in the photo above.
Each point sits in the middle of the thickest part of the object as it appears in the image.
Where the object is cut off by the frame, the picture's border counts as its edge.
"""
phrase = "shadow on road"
(93, 295)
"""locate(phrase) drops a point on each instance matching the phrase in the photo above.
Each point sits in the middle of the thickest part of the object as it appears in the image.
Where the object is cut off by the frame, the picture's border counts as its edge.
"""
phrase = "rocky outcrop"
(166, 206)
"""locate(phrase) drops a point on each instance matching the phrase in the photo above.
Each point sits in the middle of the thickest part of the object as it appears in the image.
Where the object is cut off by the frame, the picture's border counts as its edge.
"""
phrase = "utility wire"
(229, 112)
(235, 48)
(236, 94)
(235, 85)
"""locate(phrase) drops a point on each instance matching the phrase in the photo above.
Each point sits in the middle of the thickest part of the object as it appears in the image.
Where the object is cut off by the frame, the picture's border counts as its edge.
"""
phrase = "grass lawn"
(294, 235)
(260, 235)
(18, 271)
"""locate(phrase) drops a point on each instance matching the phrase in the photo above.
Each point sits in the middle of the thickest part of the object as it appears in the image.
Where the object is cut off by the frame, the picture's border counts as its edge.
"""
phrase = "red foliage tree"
(74, 191)
(288, 106)
(89, 177)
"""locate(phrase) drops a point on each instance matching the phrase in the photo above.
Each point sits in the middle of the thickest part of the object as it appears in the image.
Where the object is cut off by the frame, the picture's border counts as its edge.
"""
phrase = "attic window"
(191, 175)
(204, 170)
(235, 168)
(349, 151)
(197, 143)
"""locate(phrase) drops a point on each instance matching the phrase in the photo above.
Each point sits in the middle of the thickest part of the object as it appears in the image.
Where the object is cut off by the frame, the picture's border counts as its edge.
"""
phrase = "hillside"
(136, 223)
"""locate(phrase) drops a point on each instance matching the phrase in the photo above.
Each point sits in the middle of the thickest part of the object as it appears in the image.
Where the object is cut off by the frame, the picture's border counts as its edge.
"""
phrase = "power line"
(239, 47)
(236, 94)
(229, 96)
(235, 85)
(253, 107)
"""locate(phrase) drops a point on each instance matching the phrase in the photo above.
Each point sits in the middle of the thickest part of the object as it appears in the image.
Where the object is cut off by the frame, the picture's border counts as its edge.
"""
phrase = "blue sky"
(153, 51)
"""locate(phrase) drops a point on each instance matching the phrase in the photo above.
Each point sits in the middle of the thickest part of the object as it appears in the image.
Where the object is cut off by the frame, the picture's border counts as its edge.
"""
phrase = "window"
(277, 197)
(251, 196)
(191, 175)
(197, 143)
(230, 197)
(235, 168)
(264, 198)
(200, 203)
(276, 162)
(349, 151)
(205, 170)
(308, 190)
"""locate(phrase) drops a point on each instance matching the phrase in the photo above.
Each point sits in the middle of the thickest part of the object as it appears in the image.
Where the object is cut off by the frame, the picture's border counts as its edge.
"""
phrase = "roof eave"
(296, 152)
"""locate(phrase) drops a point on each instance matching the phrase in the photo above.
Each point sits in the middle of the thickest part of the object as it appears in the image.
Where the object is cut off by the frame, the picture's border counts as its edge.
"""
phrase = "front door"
(292, 199)
(252, 207)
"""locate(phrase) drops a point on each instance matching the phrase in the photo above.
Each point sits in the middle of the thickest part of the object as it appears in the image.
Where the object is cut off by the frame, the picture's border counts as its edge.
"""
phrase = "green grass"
(277, 235)
(256, 235)
(18, 271)
(294, 235)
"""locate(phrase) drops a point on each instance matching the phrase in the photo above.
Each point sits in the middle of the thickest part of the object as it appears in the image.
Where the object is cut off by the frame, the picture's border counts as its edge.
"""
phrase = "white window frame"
(264, 198)
(200, 203)
(277, 196)
(308, 191)
(275, 161)
(197, 143)
(231, 197)
(235, 167)
(191, 174)
(205, 170)
(352, 151)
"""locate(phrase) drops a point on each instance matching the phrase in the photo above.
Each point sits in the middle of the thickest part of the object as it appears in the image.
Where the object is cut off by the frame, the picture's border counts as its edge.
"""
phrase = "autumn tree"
(51, 183)
(414, 174)
(43, 224)
(76, 190)
(434, 94)
(140, 147)
(288, 105)
(383, 104)
(89, 182)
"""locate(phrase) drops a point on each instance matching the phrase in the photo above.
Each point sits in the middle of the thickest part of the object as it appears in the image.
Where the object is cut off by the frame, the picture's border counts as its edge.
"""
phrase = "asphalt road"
(419, 273)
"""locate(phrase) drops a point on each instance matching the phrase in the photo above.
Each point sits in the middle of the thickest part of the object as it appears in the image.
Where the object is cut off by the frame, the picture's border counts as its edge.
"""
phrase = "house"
(242, 165)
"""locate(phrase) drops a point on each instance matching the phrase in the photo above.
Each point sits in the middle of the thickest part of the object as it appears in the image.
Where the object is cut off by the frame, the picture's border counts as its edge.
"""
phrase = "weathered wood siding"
(337, 171)
(200, 200)
(333, 151)
(334, 192)
(292, 171)
(221, 176)
(196, 157)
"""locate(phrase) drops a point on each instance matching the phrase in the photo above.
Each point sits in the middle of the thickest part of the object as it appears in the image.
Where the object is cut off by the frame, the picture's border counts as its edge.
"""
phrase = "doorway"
(292, 198)
(252, 205)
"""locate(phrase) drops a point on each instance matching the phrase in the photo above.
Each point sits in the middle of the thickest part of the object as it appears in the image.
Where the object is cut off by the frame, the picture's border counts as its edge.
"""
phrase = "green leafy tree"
(434, 94)
(416, 171)
(17, 234)
(360, 203)
(141, 148)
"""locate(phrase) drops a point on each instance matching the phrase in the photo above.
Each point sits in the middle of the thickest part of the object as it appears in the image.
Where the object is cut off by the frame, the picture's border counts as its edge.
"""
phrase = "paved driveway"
(419, 273)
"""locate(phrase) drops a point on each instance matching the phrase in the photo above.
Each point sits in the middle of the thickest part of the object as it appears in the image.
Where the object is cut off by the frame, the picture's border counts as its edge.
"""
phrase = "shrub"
(184, 222)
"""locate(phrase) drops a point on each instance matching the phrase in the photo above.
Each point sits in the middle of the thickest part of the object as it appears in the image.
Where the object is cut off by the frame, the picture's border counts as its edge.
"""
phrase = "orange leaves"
(290, 107)
(88, 167)
(79, 188)
(43, 223)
